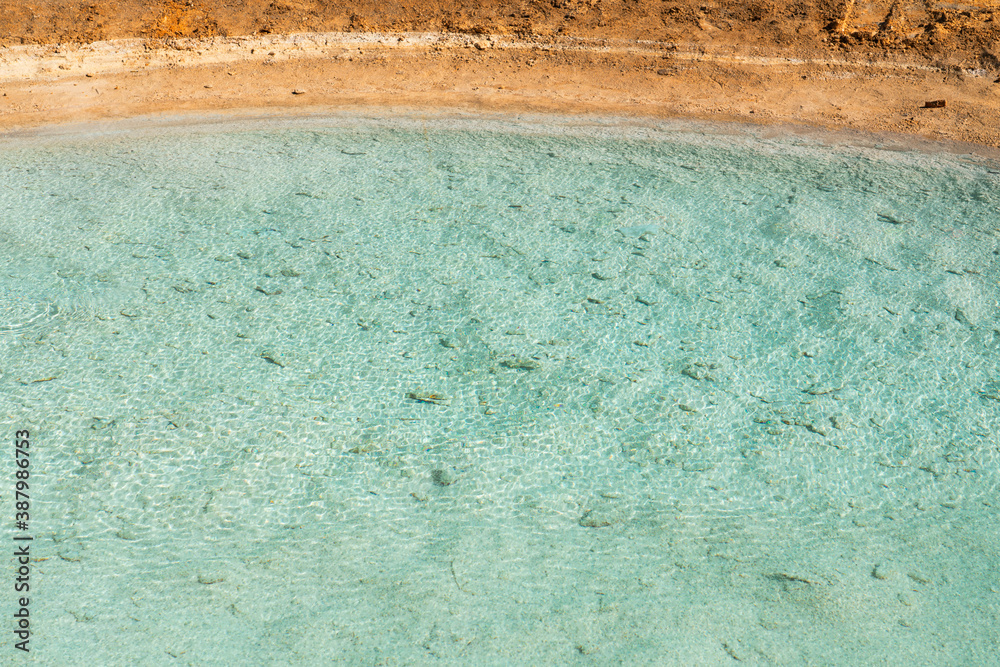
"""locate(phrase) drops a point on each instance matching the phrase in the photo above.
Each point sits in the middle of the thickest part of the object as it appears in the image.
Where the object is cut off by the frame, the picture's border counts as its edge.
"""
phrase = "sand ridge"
(42, 84)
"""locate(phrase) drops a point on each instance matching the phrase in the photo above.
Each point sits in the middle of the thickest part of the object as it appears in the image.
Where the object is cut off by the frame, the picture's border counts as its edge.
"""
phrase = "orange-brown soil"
(867, 66)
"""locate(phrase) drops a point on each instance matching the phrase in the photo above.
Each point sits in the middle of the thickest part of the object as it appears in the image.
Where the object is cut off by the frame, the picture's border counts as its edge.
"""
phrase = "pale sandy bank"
(317, 72)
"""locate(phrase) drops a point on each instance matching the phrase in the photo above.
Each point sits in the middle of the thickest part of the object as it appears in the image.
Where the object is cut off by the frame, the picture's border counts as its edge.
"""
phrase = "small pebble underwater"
(458, 391)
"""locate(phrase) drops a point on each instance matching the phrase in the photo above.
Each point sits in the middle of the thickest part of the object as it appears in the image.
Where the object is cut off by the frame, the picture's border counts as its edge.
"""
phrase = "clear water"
(425, 391)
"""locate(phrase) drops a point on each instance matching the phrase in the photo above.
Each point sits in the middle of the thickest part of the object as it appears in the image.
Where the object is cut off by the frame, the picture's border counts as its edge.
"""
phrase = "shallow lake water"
(423, 390)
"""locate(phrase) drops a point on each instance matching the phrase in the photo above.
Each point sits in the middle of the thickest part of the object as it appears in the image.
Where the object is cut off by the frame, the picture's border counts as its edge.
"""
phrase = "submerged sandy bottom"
(423, 389)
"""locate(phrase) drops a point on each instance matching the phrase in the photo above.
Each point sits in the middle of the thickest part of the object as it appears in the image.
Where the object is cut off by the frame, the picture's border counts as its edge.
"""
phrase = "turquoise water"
(446, 391)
